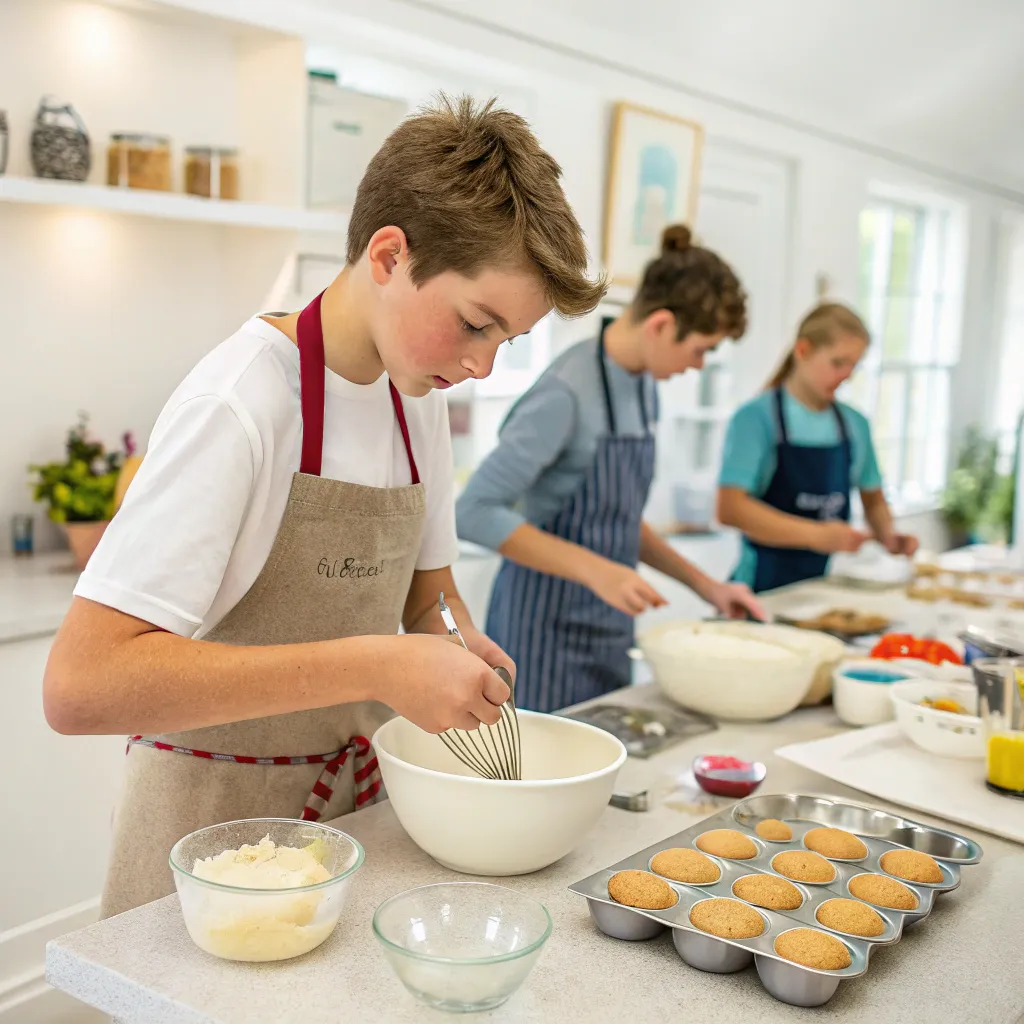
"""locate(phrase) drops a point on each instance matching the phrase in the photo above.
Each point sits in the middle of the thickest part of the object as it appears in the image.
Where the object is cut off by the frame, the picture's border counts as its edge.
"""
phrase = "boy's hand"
(486, 649)
(736, 601)
(623, 588)
(438, 685)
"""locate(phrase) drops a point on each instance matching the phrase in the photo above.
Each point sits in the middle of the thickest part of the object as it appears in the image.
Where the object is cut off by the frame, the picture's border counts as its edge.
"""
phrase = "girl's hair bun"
(676, 238)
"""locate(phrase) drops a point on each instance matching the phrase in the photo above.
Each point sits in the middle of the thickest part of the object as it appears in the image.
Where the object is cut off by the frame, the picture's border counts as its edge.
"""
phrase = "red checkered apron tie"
(366, 774)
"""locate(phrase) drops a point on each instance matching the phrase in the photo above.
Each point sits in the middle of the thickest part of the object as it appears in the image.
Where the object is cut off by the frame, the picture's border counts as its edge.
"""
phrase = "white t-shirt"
(201, 515)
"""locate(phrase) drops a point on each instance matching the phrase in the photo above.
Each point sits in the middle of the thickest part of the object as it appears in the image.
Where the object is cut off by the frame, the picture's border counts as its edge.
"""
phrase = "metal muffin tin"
(793, 983)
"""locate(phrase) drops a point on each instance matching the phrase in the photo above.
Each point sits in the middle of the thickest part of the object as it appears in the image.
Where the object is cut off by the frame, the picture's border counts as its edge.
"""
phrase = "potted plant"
(970, 487)
(80, 489)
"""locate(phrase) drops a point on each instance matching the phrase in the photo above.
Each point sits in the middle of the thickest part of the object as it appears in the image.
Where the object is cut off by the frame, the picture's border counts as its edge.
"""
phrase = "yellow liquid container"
(1001, 699)
(1006, 761)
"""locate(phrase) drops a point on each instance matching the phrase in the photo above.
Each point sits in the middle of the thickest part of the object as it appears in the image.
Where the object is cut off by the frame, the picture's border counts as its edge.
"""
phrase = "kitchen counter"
(962, 963)
(35, 594)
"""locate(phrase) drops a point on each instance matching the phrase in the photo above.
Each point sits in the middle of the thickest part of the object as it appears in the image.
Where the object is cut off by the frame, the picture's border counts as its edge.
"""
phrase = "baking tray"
(644, 732)
(880, 830)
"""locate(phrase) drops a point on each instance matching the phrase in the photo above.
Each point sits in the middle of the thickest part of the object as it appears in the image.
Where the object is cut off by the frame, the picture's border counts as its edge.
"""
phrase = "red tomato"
(903, 645)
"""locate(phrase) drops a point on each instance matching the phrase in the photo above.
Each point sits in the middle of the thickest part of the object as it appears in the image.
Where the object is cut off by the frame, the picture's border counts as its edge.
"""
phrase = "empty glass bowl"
(253, 924)
(462, 946)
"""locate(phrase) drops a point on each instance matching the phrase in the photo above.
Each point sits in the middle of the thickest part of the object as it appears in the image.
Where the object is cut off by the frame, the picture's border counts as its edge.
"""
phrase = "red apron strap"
(312, 382)
(396, 401)
(311, 387)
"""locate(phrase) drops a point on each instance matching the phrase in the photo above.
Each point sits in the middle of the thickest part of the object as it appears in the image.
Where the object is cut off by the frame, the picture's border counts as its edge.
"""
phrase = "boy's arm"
(109, 672)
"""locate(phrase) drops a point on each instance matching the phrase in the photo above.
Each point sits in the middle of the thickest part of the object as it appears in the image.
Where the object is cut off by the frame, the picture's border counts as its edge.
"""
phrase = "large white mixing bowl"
(708, 667)
(483, 827)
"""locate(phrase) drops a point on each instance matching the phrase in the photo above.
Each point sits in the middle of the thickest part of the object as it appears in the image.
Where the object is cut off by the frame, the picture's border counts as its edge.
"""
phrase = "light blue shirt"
(548, 442)
(749, 459)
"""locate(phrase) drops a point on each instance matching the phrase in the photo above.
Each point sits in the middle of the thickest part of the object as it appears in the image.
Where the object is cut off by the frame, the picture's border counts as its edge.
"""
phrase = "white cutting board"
(881, 761)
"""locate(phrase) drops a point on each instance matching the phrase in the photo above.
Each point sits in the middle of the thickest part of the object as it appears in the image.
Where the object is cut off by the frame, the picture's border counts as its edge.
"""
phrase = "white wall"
(107, 313)
(569, 101)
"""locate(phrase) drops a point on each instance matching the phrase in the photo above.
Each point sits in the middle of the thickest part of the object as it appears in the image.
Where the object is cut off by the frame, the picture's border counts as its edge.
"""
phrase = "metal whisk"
(492, 751)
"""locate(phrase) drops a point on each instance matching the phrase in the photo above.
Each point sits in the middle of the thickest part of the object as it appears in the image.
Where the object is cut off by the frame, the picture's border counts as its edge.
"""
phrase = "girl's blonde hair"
(821, 327)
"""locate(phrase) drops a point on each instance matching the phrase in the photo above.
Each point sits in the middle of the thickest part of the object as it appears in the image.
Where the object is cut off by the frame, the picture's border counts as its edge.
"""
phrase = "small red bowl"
(722, 775)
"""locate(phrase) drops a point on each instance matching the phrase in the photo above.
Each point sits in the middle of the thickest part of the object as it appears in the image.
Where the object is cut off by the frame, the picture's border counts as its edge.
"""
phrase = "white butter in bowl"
(263, 889)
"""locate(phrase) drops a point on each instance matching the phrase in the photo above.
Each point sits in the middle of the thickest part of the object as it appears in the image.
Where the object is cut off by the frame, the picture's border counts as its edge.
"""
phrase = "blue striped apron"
(568, 645)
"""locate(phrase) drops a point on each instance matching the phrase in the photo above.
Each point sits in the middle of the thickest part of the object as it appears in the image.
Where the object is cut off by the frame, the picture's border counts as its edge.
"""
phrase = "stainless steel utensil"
(492, 751)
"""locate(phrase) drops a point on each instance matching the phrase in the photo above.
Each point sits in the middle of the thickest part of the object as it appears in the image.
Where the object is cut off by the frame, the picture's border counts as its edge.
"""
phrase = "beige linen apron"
(341, 565)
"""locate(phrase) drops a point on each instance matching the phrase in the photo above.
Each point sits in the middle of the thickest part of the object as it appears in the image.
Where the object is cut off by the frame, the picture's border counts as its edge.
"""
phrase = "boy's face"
(450, 328)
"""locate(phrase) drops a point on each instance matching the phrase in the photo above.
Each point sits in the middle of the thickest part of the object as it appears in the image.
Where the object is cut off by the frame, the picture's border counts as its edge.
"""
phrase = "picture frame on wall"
(653, 181)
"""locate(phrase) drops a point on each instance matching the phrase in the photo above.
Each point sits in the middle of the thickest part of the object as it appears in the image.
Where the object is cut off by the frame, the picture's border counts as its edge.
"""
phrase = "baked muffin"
(811, 948)
(774, 831)
(803, 866)
(834, 842)
(767, 891)
(728, 919)
(641, 889)
(683, 865)
(850, 916)
(912, 865)
(727, 843)
(883, 892)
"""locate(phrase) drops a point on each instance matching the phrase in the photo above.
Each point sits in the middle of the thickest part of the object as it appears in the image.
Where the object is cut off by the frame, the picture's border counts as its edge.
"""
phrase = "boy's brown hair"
(695, 284)
(471, 188)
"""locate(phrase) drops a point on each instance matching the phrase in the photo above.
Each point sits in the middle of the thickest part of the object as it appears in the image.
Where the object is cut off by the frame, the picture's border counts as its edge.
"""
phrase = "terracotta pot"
(83, 538)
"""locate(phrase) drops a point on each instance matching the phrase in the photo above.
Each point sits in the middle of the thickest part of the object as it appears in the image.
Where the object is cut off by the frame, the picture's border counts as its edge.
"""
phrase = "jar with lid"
(139, 161)
(211, 172)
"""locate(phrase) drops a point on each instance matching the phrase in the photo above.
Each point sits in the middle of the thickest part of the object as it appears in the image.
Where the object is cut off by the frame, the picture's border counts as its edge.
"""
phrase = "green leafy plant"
(81, 488)
(971, 482)
(997, 516)
(978, 499)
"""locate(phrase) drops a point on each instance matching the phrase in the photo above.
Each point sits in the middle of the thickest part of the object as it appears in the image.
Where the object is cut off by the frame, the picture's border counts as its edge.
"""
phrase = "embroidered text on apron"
(568, 644)
(810, 482)
(340, 565)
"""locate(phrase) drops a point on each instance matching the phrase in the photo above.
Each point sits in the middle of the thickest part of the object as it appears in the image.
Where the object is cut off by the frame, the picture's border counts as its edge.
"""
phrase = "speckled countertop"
(962, 964)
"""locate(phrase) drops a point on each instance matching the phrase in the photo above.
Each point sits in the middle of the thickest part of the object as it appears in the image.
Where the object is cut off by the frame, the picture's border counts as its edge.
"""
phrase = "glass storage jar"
(212, 172)
(139, 161)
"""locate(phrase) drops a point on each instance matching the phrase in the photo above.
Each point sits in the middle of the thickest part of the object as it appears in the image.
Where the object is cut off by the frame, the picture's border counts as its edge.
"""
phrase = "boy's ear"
(660, 323)
(387, 250)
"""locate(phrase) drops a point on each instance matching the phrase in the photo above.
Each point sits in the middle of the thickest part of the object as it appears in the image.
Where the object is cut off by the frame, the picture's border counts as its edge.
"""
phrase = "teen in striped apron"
(568, 644)
(563, 493)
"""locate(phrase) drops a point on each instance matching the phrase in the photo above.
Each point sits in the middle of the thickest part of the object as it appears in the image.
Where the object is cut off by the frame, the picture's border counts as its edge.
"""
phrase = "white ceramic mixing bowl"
(729, 670)
(486, 827)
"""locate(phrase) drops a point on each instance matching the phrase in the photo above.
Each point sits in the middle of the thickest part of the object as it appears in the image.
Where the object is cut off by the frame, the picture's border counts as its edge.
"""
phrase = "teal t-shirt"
(749, 461)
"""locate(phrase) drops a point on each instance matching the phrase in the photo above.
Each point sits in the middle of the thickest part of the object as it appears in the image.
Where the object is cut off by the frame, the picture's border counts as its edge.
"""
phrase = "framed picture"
(653, 179)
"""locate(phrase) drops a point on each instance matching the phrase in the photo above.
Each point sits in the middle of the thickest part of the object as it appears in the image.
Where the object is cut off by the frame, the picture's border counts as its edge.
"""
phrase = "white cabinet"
(56, 797)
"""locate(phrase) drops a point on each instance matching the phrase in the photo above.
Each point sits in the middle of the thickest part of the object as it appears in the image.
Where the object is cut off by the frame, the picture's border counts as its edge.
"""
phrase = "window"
(1010, 326)
(911, 274)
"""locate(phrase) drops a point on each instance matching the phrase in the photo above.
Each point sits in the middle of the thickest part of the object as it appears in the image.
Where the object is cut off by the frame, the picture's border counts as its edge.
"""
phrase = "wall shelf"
(169, 206)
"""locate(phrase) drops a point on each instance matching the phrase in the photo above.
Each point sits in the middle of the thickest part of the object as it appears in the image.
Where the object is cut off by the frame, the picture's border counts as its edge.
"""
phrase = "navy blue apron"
(810, 482)
(568, 645)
